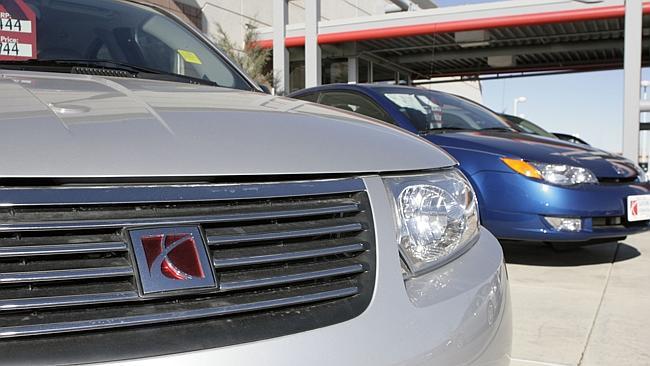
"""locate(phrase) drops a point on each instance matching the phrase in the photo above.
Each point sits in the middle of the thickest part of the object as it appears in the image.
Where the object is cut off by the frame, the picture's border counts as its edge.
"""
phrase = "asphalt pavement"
(589, 306)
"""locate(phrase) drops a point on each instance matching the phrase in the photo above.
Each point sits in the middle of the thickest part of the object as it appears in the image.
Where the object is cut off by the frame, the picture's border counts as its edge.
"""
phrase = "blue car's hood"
(535, 148)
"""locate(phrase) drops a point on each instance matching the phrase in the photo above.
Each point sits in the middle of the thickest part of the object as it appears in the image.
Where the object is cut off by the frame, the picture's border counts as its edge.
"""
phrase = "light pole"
(516, 103)
(643, 161)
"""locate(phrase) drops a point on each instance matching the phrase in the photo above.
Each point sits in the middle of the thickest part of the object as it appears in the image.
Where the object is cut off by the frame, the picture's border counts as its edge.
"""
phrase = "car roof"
(360, 87)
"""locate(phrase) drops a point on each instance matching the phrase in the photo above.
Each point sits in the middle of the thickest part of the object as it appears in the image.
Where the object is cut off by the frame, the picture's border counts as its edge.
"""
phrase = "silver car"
(156, 206)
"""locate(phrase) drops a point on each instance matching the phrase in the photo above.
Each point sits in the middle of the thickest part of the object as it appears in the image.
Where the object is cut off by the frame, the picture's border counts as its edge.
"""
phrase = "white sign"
(638, 207)
(15, 25)
(15, 49)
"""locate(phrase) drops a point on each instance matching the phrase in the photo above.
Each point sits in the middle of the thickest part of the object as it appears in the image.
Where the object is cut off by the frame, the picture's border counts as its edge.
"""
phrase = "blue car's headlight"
(560, 174)
(565, 175)
(436, 216)
(641, 175)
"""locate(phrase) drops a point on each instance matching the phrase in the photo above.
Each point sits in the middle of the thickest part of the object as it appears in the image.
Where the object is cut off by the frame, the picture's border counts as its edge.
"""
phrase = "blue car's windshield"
(527, 126)
(434, 111)
(108, 34)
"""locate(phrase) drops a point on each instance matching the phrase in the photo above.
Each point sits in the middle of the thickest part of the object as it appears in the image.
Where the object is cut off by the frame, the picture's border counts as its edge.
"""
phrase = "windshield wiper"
(504, 129)
(134, 70)
(444, 129)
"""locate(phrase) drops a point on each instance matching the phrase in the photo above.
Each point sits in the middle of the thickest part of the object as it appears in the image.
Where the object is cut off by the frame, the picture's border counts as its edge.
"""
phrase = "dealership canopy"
(501, 37)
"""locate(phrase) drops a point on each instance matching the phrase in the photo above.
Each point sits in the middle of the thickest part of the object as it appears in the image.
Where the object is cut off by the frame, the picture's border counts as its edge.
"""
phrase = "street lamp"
(516, 102)
(643, 160)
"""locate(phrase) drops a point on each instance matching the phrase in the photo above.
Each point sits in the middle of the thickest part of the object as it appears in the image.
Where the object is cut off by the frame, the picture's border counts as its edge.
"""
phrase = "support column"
(632, 87)
(280, 51)
(353, 70)
(313, 75)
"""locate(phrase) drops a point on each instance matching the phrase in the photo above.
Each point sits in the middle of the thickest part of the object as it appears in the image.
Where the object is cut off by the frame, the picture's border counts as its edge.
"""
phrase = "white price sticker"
(15, 25)
(14, 49)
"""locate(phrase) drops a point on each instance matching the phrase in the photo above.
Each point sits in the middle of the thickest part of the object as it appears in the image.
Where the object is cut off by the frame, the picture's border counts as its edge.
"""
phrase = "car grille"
(288, 257)
(617, 180)
(612, 222)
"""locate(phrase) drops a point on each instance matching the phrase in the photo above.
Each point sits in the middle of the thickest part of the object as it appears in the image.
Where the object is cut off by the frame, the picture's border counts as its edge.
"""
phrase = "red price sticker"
(17, 31)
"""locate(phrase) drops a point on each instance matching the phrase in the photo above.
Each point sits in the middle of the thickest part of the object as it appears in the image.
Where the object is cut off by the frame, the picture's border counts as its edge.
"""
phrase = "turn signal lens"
(522, 168)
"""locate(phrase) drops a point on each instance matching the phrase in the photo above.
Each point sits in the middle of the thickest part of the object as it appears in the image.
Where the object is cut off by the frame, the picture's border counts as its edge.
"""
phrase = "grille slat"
(61, 249)
(64, 274)
(251, 256)
(67, 263)
(119, 223)
(70, 300)
(284, 275)
(139, 320)
(282, 232)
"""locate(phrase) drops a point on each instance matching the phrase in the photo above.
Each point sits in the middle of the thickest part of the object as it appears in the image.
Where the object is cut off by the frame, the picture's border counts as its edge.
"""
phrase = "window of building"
(363, 71)
(296, 75)
(192, 13)
(335, 70)
(383, 74)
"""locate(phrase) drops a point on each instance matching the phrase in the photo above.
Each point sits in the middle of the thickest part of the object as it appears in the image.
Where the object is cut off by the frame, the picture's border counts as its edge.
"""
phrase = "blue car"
(529, 188)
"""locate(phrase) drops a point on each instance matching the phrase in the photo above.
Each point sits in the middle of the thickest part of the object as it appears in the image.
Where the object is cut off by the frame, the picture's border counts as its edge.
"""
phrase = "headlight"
(437, 217)
(641, 175)
(560, 174)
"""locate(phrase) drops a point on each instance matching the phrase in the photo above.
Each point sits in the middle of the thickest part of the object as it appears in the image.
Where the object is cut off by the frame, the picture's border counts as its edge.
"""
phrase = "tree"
(253, 59)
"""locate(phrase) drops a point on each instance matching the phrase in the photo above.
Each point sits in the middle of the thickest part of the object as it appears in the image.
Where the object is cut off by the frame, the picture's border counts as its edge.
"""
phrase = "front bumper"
(457, 314)
(513, 207)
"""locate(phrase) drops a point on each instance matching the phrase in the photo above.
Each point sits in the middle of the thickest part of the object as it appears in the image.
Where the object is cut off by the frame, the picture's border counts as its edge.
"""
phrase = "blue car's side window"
(311, 97)
(354, 102)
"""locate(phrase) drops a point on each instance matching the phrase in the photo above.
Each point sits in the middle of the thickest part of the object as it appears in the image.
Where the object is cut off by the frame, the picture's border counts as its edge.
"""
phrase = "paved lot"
(590, 306)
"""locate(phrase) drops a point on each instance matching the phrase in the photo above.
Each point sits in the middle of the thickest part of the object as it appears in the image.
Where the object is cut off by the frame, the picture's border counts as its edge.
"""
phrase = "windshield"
(107, 33)
(433, 111)
(528, 126)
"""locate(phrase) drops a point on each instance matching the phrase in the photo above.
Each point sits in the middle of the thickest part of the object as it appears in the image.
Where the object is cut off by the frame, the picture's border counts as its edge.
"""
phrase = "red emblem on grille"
(175, 256)
(172, 259)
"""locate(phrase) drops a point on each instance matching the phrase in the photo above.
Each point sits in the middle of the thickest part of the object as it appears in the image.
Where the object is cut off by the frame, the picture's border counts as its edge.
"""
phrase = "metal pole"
(312, 50)
(353, 67)
(631, 102)
(645, 106)
(280, 52)
(645, 84)
(643, 159)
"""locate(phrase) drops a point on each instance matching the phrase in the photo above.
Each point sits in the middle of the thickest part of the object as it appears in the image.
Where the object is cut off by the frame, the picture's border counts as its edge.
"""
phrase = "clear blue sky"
(587, 104)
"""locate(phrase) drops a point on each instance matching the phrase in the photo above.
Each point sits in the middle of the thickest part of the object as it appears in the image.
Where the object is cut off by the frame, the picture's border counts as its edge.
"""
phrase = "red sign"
(17, 31)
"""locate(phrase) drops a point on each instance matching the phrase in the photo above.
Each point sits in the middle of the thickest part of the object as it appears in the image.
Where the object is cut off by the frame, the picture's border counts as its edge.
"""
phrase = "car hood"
(62, 125)
(538, 149)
